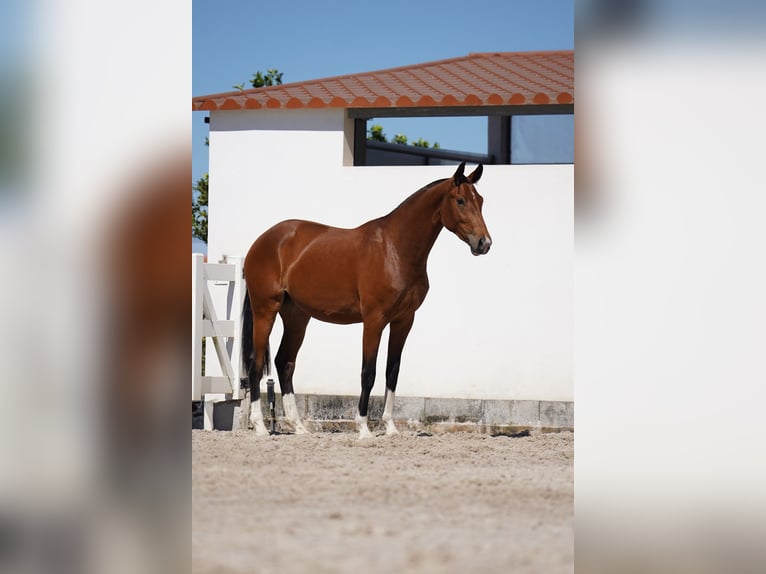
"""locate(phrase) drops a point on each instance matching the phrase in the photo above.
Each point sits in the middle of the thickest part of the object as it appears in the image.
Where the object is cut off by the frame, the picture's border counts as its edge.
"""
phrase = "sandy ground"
(326, 502)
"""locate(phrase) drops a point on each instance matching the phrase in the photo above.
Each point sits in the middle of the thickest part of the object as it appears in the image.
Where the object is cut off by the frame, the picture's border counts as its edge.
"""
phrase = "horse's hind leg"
(263, 321)
(295, 322)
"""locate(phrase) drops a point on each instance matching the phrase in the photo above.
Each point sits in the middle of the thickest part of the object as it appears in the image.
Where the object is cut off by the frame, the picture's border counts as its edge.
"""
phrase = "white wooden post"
(236, 299)
(198, 280)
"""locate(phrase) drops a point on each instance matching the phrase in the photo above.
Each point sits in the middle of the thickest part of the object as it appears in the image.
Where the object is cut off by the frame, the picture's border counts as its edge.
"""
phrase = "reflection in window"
(542, 139)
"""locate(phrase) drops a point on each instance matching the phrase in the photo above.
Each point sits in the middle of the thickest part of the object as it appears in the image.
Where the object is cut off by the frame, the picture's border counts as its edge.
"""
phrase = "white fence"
(223, 332)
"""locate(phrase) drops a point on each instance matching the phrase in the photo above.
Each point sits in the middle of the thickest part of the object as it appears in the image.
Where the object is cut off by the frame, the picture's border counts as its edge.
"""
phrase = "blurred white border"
(670, 303)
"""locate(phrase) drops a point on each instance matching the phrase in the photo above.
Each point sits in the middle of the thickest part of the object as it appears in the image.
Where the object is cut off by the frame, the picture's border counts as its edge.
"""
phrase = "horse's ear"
(459, 178)
(476, 175)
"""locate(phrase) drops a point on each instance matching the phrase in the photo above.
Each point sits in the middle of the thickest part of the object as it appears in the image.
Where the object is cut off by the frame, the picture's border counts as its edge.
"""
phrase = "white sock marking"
(388, 413)
(256, 418)
(291, 413)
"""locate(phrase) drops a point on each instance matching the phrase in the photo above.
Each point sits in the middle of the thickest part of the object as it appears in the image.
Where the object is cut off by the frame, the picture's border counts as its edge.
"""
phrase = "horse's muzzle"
(480, 245)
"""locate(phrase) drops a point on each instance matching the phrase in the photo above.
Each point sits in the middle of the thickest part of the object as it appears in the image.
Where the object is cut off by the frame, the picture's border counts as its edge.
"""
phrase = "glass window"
(542, 139)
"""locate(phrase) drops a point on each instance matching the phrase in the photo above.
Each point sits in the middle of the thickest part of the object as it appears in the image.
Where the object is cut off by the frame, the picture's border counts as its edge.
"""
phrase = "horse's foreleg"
(398, 335)
(370, 343)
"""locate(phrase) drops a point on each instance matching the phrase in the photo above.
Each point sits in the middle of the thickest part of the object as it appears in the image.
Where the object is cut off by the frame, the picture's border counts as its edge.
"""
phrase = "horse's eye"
(460, 201)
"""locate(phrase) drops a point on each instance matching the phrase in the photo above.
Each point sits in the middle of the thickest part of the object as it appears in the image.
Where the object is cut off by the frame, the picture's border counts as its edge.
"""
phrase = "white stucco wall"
(493, 327)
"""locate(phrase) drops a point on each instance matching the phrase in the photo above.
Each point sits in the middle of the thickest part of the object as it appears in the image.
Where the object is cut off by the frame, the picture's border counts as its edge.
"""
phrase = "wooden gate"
(223, 332)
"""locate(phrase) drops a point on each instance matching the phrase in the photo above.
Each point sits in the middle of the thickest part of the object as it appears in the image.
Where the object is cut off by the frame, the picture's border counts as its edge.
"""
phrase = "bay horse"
(374, 274)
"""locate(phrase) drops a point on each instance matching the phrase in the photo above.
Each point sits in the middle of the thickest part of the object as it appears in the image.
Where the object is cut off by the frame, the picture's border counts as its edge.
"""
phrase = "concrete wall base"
(333, 413)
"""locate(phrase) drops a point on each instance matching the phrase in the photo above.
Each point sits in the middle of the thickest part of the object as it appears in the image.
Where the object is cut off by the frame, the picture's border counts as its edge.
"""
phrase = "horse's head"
(461, 210)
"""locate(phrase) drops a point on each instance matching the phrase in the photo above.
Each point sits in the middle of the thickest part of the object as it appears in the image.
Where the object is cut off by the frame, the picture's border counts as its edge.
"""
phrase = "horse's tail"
(246, 343)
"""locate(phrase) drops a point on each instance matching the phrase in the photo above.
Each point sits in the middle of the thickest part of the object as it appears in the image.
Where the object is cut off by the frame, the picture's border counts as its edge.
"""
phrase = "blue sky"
(232, 39)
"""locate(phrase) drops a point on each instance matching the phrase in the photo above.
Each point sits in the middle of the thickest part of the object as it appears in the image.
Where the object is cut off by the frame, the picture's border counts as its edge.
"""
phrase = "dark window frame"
(498, 127)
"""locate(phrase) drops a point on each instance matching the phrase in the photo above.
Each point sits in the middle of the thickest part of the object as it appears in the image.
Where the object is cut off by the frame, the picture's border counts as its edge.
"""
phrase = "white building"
(493, 327)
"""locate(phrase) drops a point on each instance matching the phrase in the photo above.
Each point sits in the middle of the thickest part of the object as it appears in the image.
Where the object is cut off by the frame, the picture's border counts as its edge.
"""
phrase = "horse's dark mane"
(432, 184)
(421, 190)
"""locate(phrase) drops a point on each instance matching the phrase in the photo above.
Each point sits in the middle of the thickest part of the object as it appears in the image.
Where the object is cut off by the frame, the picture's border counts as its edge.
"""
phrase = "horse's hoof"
(261, 430)
(364, 434)
(364, 430)
(301, 430)
(391, 428)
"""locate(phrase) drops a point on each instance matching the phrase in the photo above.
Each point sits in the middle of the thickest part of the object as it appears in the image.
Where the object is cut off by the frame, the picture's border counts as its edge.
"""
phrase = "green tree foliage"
(199, 208)
(375, 133)
(423, 143)
(273, 77)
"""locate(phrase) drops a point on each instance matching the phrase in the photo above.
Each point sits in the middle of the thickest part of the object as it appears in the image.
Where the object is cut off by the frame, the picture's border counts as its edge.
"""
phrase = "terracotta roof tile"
(489, 79)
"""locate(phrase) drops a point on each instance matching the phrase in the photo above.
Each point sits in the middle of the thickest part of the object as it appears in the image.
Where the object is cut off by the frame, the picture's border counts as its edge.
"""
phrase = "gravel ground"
(327, 502)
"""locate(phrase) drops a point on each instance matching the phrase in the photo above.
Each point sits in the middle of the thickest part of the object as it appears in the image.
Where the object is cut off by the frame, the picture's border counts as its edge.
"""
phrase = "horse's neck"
(416, 224)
